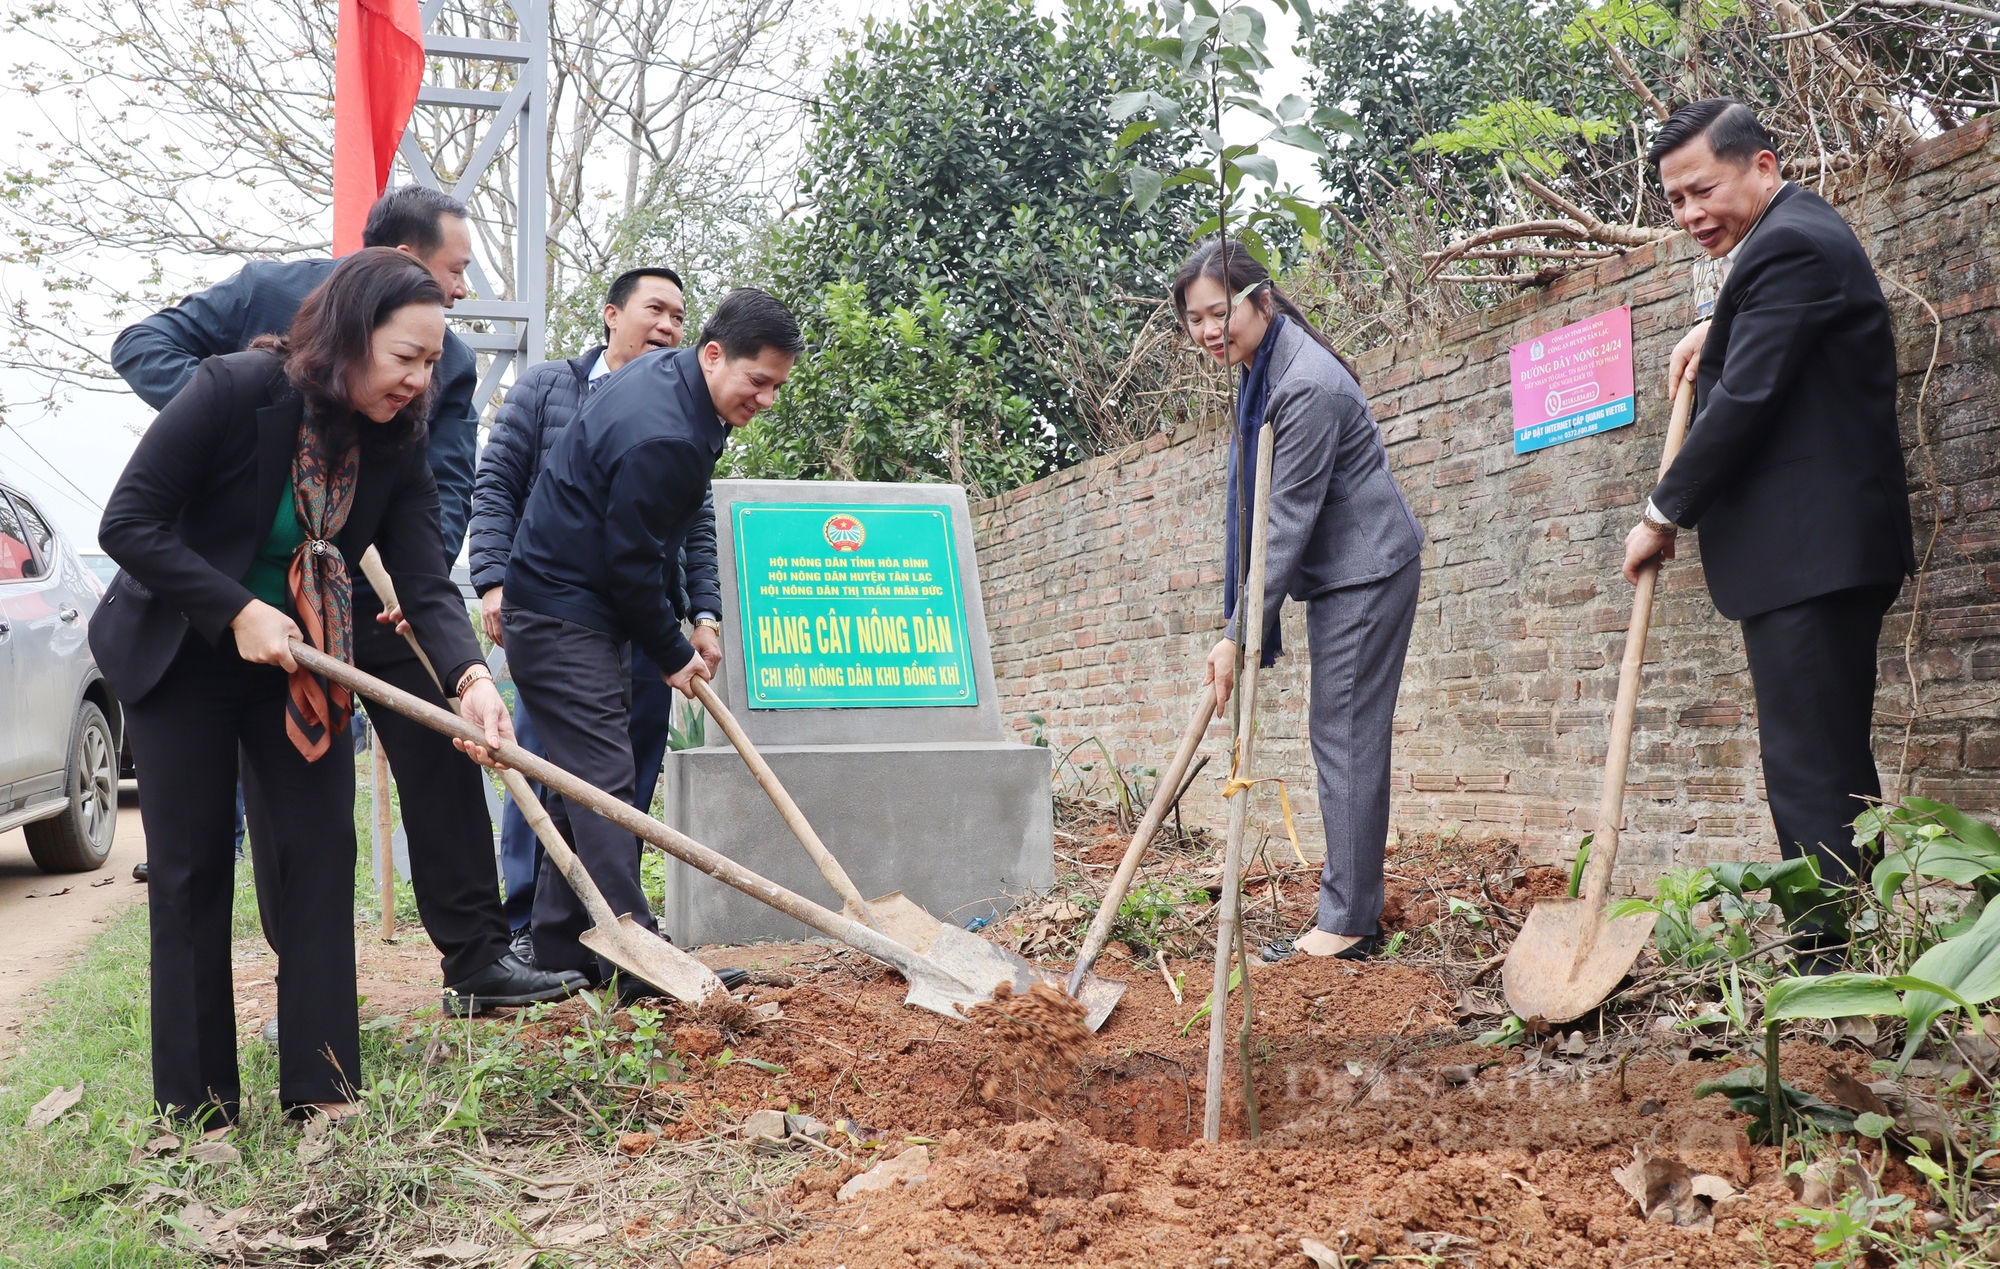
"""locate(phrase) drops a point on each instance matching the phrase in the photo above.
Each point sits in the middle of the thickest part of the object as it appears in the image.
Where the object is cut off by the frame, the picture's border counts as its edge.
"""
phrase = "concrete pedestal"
(961, 827)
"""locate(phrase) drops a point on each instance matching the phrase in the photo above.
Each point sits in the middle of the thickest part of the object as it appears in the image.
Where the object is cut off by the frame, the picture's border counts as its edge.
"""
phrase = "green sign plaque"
(849, 608)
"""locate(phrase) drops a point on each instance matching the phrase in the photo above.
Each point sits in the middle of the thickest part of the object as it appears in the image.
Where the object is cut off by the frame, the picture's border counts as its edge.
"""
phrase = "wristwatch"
(473, 673)
(710, 622)
(1650, 514)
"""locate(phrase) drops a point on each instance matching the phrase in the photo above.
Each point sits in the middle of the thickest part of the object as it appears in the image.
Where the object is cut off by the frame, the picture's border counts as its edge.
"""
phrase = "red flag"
(378, 64)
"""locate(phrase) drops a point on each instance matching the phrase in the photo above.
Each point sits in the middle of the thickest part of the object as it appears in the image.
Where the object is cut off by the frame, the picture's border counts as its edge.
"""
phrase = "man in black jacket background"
(644, 309)
(591, 569)
(1792, 472)
(442, 795)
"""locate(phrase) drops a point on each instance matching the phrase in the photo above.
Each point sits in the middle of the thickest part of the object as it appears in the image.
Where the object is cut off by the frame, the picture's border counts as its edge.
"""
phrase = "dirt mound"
(1251, 1206)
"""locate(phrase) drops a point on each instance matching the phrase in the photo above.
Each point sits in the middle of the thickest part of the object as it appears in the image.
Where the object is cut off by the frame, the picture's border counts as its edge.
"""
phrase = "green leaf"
(1967, 966)
(1929, 1167)
(1125, 105)
(1628, 907)
(1576, 869)
(1293, 108)
(1972, 832)
(1307, 215)
(1146, 185)
(1339, 120)
(1133, 131)
(1304, 9)
(1831, 996)
(1253, 242)
(1261, 166)
(1872, 1125)
(1298, 134)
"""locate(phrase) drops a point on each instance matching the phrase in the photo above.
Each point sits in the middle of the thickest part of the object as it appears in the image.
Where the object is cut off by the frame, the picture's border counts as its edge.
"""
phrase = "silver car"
(59, 724)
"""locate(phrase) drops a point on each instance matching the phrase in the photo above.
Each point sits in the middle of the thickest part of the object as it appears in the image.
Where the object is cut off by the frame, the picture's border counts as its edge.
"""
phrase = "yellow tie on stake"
(1237, 784)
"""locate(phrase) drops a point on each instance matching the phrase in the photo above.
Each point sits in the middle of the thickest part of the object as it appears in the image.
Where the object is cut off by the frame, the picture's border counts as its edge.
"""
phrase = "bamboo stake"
(385, 837)
(1250, 621)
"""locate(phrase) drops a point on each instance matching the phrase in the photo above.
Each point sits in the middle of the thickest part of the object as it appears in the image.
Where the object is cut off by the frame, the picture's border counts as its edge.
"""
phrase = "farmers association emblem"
(844, 533)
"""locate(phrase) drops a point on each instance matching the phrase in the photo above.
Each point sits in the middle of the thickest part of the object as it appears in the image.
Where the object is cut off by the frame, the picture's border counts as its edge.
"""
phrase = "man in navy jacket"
(644, 309)
(443, 795)
(157, 356)
(591, 569)
(1793, 474)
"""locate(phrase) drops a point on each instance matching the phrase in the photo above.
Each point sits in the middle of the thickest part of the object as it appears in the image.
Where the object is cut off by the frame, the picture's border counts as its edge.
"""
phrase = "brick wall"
(1103, 582)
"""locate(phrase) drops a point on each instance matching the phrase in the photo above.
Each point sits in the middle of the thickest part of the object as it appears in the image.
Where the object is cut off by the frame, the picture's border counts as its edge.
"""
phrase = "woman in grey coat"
(1342, 540)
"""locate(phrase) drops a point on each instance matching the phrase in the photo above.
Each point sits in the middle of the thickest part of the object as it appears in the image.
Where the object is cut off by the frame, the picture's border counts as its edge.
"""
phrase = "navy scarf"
(1251, 400)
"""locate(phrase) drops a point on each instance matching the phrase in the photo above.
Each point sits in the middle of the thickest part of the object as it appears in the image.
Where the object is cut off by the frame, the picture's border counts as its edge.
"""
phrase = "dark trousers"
(444, 812)
(185, 736)
(1359, 636)
(652, 720)
(1813, 665)
(576, 682)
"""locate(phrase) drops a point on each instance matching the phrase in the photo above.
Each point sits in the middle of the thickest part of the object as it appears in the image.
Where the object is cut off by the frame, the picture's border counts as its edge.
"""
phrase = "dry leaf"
(1322, 1256)
(102, 881)
(1668, 1192)
(49, 1108)
(637, 1142)
(522, 1259)
(574, 1235)
(1861, 1029)
(154, 1192)
(552, 1193)
(1828, 1178)
(458, 1252)
(45, 894)
(217, 1152)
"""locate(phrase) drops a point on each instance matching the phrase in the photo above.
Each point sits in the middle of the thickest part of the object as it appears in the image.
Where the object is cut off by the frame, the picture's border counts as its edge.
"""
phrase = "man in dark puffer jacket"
(643, 310)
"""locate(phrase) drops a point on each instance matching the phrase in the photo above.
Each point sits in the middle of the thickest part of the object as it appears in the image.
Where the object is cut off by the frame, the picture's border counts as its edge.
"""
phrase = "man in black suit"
(592, 570)
(443, 798)
(1792, 472)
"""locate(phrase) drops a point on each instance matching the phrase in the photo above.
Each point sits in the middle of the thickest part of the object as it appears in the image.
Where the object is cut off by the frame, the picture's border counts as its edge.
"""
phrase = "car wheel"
(78, 839)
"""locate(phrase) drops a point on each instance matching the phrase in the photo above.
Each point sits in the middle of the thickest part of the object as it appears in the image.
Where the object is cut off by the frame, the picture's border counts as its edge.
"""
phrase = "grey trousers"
(1359, 636)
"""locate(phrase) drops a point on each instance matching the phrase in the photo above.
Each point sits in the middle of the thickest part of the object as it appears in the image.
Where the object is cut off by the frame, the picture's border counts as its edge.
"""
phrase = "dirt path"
(44, 933)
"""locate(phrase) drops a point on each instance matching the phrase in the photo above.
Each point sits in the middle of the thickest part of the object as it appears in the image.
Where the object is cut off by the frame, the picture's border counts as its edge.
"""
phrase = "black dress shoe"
(523, 945)
(1364, 950)
(139, 871)
(508, 981)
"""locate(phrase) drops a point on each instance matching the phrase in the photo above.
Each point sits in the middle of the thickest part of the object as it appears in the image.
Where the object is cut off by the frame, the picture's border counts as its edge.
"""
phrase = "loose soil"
(1385, 1130)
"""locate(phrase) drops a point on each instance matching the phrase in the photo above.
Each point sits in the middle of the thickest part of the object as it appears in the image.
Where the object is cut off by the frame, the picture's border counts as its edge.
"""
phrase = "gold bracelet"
(473, 674)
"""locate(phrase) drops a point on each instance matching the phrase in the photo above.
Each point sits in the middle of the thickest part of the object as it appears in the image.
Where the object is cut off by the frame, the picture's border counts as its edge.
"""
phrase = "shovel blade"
(1567, 959)
(646, 956)
(1099, 997)
(900, 918)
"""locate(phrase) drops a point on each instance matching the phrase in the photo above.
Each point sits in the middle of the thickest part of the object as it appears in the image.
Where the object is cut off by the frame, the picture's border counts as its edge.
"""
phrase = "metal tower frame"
(521, 323)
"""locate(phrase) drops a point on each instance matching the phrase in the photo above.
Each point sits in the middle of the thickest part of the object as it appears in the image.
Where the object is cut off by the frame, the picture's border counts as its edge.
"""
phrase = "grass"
(461, 1116)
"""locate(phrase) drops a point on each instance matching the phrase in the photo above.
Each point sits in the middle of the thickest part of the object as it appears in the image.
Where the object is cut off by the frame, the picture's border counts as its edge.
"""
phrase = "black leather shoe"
(508, 981)
(1364, 950)
(522, 945)
(139, 871)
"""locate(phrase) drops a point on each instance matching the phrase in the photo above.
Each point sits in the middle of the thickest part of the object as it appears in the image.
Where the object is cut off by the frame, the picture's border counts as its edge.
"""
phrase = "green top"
(267, 578)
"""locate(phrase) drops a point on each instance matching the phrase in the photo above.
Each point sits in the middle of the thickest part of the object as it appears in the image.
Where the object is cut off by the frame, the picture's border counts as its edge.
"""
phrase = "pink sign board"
(1576, 381)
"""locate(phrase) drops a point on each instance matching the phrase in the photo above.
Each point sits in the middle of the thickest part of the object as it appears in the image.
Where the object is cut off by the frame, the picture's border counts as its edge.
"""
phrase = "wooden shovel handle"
(795, 819)
(1163, 798)
(531, 806)
(581, 793)
(1618, 755)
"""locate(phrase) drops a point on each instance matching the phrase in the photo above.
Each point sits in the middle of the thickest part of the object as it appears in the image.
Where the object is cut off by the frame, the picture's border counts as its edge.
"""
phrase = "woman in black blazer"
(237, 524)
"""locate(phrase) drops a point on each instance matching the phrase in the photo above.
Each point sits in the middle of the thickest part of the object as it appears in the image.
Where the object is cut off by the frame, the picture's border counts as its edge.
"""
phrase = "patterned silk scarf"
(322, 598)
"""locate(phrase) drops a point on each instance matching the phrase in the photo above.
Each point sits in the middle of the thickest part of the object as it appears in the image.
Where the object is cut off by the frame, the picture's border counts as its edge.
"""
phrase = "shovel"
(1567, 958)
(1121, 881)
(618, 939)
(943, 982)
(968, 956)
